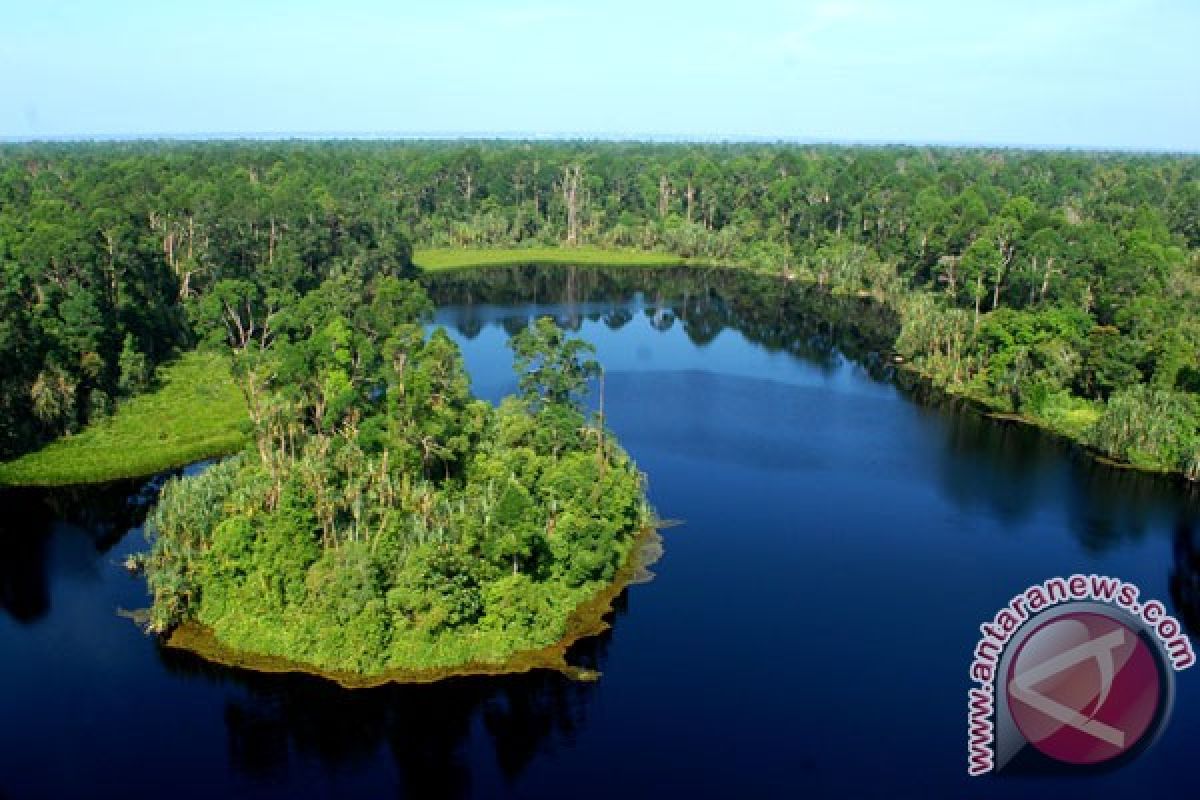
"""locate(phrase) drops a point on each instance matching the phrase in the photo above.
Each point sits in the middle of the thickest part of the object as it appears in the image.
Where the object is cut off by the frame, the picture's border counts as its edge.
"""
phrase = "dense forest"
(1059, 286)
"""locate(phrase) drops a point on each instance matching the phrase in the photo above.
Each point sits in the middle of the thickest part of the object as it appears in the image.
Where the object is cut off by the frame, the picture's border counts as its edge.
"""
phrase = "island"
(385, 524)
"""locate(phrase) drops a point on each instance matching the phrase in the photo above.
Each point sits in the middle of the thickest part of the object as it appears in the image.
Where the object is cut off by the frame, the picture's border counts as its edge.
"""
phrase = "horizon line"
(569, 136)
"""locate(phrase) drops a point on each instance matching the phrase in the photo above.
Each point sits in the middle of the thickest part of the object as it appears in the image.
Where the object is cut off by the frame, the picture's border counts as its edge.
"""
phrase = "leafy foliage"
(552, 370)
(1149, 427)
(387, 518)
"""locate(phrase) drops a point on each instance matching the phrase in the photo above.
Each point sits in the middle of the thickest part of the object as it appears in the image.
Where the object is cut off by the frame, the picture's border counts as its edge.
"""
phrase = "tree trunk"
(978, 297)
(1031, 284)
(570, 190)
(1046, 279)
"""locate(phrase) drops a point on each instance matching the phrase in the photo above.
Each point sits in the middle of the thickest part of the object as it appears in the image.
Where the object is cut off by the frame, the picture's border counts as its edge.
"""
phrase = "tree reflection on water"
(275, 721)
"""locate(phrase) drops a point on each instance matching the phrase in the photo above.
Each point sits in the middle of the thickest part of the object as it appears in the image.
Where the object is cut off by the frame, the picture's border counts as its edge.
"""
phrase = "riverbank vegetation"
(1058, 287)
(384, 518)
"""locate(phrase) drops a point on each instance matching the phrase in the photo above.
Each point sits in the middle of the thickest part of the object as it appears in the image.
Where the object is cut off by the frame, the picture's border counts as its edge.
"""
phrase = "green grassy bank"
(435, 259)
(195, 412)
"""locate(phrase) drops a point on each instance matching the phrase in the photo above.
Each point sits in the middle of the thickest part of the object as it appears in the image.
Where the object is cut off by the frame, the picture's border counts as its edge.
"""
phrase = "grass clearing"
(195, 412)
(457, 258)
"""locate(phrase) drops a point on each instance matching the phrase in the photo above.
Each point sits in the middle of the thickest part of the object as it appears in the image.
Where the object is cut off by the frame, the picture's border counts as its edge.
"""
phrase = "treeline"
(1042, 283)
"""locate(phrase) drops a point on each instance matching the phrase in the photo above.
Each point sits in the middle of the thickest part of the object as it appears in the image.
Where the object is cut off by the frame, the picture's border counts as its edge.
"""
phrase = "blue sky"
(1082, 73)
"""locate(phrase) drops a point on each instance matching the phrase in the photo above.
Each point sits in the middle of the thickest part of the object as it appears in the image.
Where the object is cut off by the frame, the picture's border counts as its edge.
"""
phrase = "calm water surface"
(808, 632)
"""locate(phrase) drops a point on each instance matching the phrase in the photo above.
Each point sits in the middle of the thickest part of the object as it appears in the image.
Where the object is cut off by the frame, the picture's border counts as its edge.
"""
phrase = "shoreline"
(175, 461)
(916, 374)
(588, 619)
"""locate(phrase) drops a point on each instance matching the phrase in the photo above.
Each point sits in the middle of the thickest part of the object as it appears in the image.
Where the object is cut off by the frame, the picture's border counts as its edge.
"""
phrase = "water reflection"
(24, 591)
(1013, 471)
(661, 319)
(84, 523)
(617, 318)
(274, 721)
(1185, 574)
(775, 314)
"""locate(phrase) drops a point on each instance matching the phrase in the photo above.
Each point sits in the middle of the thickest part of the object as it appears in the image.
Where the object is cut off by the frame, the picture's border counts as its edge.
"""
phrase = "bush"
(1148, 427)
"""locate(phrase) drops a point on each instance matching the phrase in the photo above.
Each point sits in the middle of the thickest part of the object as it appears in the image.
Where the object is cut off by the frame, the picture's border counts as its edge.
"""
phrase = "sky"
(1121, 74)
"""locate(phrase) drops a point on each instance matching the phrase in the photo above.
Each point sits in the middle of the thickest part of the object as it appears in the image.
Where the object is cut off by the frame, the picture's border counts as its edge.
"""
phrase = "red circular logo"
(1084, 688)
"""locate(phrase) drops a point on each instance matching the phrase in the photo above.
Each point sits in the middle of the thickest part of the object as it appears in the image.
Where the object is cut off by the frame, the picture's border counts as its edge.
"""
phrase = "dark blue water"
(808, 633)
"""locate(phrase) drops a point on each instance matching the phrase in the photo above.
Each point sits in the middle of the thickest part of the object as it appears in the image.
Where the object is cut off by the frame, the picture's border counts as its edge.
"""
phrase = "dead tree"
(572, 175)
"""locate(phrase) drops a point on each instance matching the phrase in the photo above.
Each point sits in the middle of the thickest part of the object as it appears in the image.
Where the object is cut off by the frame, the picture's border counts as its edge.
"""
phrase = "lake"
(841, 536)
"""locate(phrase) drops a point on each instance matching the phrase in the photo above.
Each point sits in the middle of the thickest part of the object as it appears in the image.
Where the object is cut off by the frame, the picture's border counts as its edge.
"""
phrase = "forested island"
(386, 522)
